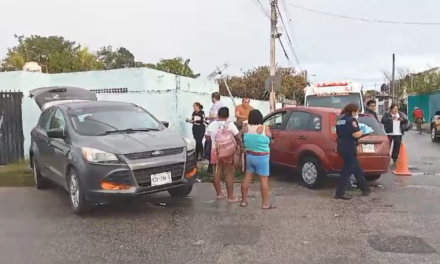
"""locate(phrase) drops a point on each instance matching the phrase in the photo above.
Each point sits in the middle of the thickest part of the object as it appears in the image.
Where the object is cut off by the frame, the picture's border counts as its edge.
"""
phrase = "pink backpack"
(225, 142)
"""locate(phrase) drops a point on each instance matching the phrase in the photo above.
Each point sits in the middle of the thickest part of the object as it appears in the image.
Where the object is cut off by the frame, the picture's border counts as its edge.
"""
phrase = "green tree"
(175, 66)
(88, 61)
(117, 58)
(252, 83)
(55, 52)
(415, 83)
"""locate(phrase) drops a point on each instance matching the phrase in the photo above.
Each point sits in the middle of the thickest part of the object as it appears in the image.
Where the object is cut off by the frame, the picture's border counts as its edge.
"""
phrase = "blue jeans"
(258, 164)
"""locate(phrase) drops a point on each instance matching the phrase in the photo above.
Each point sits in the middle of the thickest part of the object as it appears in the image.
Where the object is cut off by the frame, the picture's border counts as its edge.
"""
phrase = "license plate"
(368, 148)
(160, 178)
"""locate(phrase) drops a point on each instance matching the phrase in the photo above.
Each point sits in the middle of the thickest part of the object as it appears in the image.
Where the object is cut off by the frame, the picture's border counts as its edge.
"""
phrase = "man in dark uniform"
(348, 131)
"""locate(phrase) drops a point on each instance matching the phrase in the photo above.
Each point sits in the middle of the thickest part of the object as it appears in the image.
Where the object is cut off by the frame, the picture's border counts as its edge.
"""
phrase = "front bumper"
(137, 177)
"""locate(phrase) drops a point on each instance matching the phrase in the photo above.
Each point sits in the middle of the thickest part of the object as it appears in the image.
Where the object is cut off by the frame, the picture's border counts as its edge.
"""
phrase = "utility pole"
(393, 76)
(273, 37)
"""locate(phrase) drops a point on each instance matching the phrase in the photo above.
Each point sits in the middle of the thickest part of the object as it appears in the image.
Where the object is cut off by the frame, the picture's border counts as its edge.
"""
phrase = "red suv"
(304, 138)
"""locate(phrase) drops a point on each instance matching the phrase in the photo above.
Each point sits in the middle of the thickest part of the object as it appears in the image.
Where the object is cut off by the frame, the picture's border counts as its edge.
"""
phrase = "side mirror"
(56, 133)
(165, 123)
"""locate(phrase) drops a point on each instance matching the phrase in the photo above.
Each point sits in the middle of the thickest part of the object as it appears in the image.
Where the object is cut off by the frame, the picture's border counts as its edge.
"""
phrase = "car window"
(315, 123)
(275, 121)
(437, 113)
(298, 121)
(43, 122)
(94, 121)
(58, 120)
(373, 123)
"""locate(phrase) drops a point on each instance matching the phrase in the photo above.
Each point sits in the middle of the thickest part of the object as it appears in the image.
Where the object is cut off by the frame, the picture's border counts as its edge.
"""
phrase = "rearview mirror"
(56, 133)
(165, 123)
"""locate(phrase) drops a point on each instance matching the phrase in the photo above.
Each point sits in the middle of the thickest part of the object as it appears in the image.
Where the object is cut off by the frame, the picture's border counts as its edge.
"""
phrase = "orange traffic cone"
(402, 168)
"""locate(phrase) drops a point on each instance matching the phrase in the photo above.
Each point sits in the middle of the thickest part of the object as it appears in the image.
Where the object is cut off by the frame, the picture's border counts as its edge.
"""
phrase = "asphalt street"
(398, 223)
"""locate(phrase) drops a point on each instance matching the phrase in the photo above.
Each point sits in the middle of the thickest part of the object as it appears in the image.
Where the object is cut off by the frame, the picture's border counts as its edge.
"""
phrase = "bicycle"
(419, 126)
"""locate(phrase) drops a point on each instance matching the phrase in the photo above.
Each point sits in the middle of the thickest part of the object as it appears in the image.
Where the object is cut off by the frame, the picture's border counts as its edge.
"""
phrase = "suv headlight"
(190, 144)
(98, 156)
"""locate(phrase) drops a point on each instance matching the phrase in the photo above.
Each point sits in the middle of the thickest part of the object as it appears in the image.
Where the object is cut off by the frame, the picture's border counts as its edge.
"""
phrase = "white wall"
(167, 96)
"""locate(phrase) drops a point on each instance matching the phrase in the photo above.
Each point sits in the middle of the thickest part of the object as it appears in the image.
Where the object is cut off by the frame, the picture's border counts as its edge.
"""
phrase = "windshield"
(373, 123)
(96, 121)
(335, 101)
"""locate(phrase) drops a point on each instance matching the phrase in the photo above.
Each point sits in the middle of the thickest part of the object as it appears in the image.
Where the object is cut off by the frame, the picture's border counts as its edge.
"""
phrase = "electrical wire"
(260, 5)
(365, 19)
(286, 30)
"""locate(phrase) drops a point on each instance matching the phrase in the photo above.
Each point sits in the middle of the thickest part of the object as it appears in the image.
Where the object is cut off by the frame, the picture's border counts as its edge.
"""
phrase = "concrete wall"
(167, 96)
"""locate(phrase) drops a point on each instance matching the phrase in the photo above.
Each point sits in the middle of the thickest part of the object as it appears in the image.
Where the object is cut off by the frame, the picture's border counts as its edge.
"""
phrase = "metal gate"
(11, 127)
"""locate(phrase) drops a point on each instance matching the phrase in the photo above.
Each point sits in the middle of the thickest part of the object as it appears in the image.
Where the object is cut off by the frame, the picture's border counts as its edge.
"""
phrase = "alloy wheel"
(34, 170)
(74, 190)
(309, 173)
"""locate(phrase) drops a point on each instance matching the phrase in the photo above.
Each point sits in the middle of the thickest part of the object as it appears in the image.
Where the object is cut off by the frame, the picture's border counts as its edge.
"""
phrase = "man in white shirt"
(217, 104)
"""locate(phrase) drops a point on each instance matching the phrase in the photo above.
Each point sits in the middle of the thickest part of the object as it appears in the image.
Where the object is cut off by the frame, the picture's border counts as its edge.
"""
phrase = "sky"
(212, 32)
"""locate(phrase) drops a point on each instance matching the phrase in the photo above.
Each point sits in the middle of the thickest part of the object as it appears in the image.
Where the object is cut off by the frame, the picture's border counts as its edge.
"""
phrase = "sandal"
(237, 199)
(272, 206)
(243, 204)
(220, 197)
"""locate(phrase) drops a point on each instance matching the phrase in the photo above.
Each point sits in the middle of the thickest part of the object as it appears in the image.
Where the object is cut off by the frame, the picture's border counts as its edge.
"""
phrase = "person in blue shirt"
(348, 131)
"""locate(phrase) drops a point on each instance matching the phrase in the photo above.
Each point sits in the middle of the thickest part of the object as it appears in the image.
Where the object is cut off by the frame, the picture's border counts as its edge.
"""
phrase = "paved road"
(397, 224)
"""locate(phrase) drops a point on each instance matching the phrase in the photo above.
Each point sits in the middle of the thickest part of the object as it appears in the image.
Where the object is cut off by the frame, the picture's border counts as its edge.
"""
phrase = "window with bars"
(110, 90)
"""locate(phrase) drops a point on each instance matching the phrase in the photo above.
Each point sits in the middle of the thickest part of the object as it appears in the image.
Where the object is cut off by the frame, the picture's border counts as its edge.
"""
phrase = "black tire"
(80, 205)
(311, 172)
(434, 137)
(372, 178)
(180, 192)
(41, 182)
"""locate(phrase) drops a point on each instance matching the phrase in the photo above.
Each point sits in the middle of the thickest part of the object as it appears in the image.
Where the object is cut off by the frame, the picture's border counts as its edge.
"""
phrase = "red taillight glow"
(333, 121)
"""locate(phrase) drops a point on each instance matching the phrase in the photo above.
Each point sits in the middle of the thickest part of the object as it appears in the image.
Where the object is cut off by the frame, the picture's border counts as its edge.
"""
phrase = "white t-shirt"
(396, 126)
(216, 126)
(215, 107)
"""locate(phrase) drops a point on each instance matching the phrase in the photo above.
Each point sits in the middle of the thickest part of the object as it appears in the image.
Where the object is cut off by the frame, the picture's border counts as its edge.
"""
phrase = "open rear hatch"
(49, 96)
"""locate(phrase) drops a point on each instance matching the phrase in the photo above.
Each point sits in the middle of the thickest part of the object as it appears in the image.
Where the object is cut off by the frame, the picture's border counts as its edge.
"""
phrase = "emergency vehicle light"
(332, 84)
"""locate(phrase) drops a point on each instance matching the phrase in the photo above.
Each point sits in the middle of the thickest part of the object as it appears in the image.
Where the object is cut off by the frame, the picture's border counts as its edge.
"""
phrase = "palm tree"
(87, 61)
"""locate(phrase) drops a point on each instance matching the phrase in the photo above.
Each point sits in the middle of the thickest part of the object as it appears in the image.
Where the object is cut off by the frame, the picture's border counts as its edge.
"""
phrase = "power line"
(292, 49)
(367, 20)
(260, 5)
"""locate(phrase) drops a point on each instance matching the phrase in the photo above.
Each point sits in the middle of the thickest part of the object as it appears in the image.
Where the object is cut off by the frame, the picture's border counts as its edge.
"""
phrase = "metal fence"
(11, 127)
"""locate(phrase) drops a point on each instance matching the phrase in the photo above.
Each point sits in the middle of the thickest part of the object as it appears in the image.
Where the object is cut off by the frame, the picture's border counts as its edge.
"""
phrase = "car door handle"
(302, 137)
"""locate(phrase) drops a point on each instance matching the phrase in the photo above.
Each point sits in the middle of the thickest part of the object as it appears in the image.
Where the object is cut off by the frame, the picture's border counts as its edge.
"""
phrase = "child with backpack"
(226, 141)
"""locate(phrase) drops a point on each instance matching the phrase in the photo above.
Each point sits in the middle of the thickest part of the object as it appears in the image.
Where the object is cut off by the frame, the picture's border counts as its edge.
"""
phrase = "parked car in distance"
(435, 127)
(100, 151)
(304, 138)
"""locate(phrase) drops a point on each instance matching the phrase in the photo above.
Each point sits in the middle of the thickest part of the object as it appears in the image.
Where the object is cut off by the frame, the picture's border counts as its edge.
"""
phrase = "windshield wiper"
(128, 130)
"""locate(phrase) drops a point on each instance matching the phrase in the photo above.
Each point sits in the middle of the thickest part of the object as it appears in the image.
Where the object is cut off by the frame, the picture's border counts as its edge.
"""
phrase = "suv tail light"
(333, 121)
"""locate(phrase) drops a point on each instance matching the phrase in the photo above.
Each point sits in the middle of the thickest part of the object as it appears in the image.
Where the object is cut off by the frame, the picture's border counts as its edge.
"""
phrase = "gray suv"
(99, 151)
